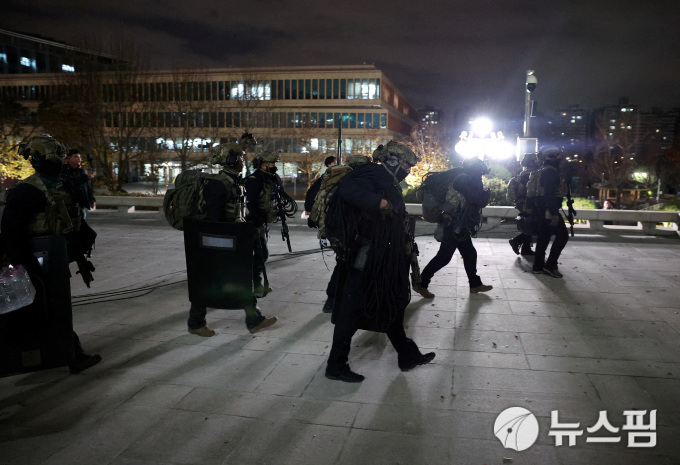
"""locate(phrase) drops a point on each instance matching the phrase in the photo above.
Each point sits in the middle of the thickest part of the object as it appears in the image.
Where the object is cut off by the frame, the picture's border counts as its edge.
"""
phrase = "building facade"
(177, 116)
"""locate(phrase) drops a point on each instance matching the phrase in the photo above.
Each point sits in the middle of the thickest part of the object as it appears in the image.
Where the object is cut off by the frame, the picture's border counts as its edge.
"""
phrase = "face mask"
(402, 173)
(272, 170)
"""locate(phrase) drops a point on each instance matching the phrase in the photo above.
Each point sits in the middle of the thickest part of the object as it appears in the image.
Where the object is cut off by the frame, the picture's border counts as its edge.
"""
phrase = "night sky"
(448, 54)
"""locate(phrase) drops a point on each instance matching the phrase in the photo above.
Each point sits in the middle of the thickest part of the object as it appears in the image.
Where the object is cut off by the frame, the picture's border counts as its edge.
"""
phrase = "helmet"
(226, 154)
(530, 161)
(43, 148)
(475, 167)
(549, 152)
(268, 157)
(394, 154)
(356, 159)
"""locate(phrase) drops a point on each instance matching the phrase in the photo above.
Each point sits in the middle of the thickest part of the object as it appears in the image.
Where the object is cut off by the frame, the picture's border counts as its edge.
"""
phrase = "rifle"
(85, 269)
(415, 267)
(286, 208)
(85, 238)
(570, 209)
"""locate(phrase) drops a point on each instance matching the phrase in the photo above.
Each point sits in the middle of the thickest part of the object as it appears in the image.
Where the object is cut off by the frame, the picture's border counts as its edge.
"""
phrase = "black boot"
(83, 361)
(343, 373)
(411, 357)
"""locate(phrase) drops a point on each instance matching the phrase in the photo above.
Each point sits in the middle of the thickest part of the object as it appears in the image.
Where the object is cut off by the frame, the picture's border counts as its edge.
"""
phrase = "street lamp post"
(531, 83)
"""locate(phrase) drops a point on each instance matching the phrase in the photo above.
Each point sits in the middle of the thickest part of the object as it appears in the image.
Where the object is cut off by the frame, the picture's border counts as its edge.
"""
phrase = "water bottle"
(18, 291)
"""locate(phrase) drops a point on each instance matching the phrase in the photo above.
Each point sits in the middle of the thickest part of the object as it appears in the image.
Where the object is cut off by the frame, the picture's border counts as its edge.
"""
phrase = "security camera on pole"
(527, 144)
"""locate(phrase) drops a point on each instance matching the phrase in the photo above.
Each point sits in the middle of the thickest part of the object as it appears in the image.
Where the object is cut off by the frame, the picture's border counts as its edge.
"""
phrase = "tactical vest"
(61, 215)
(267, 196)
(534, 187)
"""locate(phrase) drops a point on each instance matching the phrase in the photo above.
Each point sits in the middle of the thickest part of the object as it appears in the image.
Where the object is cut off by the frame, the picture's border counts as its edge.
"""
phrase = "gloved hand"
(446, 219)
(388, 210)
(310, 223)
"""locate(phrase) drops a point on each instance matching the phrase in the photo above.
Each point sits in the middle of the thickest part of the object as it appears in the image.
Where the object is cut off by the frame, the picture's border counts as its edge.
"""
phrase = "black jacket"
(311, 194)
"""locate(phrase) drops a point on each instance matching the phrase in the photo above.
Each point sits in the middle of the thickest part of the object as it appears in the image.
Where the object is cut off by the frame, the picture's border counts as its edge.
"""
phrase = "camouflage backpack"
(432, 193)
(329, 185)
(186, 199)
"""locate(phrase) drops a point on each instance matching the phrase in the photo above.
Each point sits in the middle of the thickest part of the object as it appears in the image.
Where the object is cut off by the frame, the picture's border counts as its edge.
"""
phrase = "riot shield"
(219, 263)
(40, 336)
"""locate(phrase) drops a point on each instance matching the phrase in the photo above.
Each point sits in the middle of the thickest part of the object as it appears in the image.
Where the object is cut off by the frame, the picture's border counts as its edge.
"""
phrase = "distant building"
(569, 128)
(430, 116)
(29, 54)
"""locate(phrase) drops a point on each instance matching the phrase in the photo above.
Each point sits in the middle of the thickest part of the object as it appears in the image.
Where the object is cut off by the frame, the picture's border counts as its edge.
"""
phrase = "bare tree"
(103, 112)
(193, 124)
(433, 145)
(614, 151)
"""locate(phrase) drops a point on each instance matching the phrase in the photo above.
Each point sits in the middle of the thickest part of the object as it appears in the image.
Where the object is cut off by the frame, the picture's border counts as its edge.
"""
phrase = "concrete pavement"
(604, 338)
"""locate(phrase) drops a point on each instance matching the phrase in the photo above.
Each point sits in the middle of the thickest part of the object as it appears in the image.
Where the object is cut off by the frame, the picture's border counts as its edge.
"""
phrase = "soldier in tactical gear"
(314, 188)
(517, 195)
(547, 210)
(465, 199)
(261, 186)
(224, 202)
(42, 205)
(367, 215)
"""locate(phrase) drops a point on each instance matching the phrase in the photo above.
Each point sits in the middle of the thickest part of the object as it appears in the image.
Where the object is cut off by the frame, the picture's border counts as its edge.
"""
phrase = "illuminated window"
(68, 68)
(3, 57)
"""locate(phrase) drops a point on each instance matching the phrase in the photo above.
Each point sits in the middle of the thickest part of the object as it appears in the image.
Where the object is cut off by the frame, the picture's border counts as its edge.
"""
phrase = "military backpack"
(186, 199)
(432, 193)
(329, 185)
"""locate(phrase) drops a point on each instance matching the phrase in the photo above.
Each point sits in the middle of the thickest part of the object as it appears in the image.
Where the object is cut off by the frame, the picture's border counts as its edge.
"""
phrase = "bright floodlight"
(481, 127)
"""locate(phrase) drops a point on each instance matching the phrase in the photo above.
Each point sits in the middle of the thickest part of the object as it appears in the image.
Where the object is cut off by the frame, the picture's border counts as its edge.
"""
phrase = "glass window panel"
(345, 120)
(360, 120)
(352, 120)
(383, 121)
(350, 89)
(308, 89)
(369, 121)
(336, 88)
(343, 88)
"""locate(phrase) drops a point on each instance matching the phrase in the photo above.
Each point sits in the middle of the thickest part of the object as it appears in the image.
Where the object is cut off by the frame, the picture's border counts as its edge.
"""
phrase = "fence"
(649, 222)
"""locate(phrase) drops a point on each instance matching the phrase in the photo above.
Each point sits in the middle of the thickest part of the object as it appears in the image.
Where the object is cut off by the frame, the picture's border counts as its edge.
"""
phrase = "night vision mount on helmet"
(227, 154)
(42, 148)
(394, 154)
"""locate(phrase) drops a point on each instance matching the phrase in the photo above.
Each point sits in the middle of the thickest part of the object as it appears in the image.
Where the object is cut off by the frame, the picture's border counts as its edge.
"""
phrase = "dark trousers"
(197, 315)
(260, 256)
(346, 324)
(523, 240)
(545, 232)
(446, 249)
